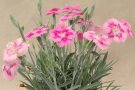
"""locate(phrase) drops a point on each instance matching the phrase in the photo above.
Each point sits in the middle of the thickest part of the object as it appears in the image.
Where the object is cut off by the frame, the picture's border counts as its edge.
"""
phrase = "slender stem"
(54, 18)
(41, 20)
(31, 57)
(21, 29)
(39, 6)
(22, 35)
(21, 32)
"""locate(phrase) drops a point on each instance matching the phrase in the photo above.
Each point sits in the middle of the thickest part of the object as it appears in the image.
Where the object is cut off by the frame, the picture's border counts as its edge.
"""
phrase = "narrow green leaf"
(67, 60)
(39, 5)
(91, 86)
(65, 84)
(91, 12)
(14, 22)
(84, 10)
(74, 87)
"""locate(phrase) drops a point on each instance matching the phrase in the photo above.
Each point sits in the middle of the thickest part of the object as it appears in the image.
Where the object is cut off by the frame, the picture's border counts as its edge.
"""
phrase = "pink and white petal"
(64, 42)
(102, 42)
(23, 49)
(89, 35)
(10, 69)
(127, 27)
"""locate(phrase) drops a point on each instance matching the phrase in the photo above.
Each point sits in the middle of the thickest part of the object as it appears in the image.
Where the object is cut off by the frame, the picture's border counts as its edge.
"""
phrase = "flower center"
(116, 30)
(62, 35)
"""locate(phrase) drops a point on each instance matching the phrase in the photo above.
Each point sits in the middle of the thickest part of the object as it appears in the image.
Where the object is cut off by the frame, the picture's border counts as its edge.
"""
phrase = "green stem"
(54, 18)
(41, 17)
(31, 57)
(21, 32)
(22, 35)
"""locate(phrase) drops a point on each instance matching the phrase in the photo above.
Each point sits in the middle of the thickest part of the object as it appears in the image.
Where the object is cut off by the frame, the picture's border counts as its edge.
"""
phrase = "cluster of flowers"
(111, 30)
(102, 36)
(11, 59)
(70, 12)
(63, 34)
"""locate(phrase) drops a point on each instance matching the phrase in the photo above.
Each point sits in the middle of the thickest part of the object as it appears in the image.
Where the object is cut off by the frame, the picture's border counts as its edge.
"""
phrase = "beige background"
(26, 12)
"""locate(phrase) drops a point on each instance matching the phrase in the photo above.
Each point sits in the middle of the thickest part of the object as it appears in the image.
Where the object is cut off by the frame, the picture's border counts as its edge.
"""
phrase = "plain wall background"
(26, 12)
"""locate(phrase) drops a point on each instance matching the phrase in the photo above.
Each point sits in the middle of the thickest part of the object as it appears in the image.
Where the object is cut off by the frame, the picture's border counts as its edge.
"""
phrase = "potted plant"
(70, 52)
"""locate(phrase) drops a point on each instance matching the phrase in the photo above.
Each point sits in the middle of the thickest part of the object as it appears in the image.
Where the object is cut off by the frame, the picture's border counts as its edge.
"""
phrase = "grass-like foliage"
(61, 69)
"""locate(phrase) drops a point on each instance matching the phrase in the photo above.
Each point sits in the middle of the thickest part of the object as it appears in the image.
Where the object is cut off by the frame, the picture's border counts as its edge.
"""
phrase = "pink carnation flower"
(62, 34)
(116, 30)
(14, 50)
(89, 35)
(37, 32)
(102, 42)
(94, 31)
(127, 28)
(10, 69)
(98, 35)
(68, 8)
(69, 16)
(66, 17)
(53, 11)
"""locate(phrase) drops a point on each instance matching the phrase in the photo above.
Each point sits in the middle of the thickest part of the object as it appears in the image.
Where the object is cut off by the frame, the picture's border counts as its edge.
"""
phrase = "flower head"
(11, 56)
(116, 30)
(53, 11)
(37, 32)
(69, 16)
(15, 49)
(70, 9)
(127, 28)
(89, 35)
(102, 42)
(98, 35)
(10, 69)
(66, 17)
(62, 34)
